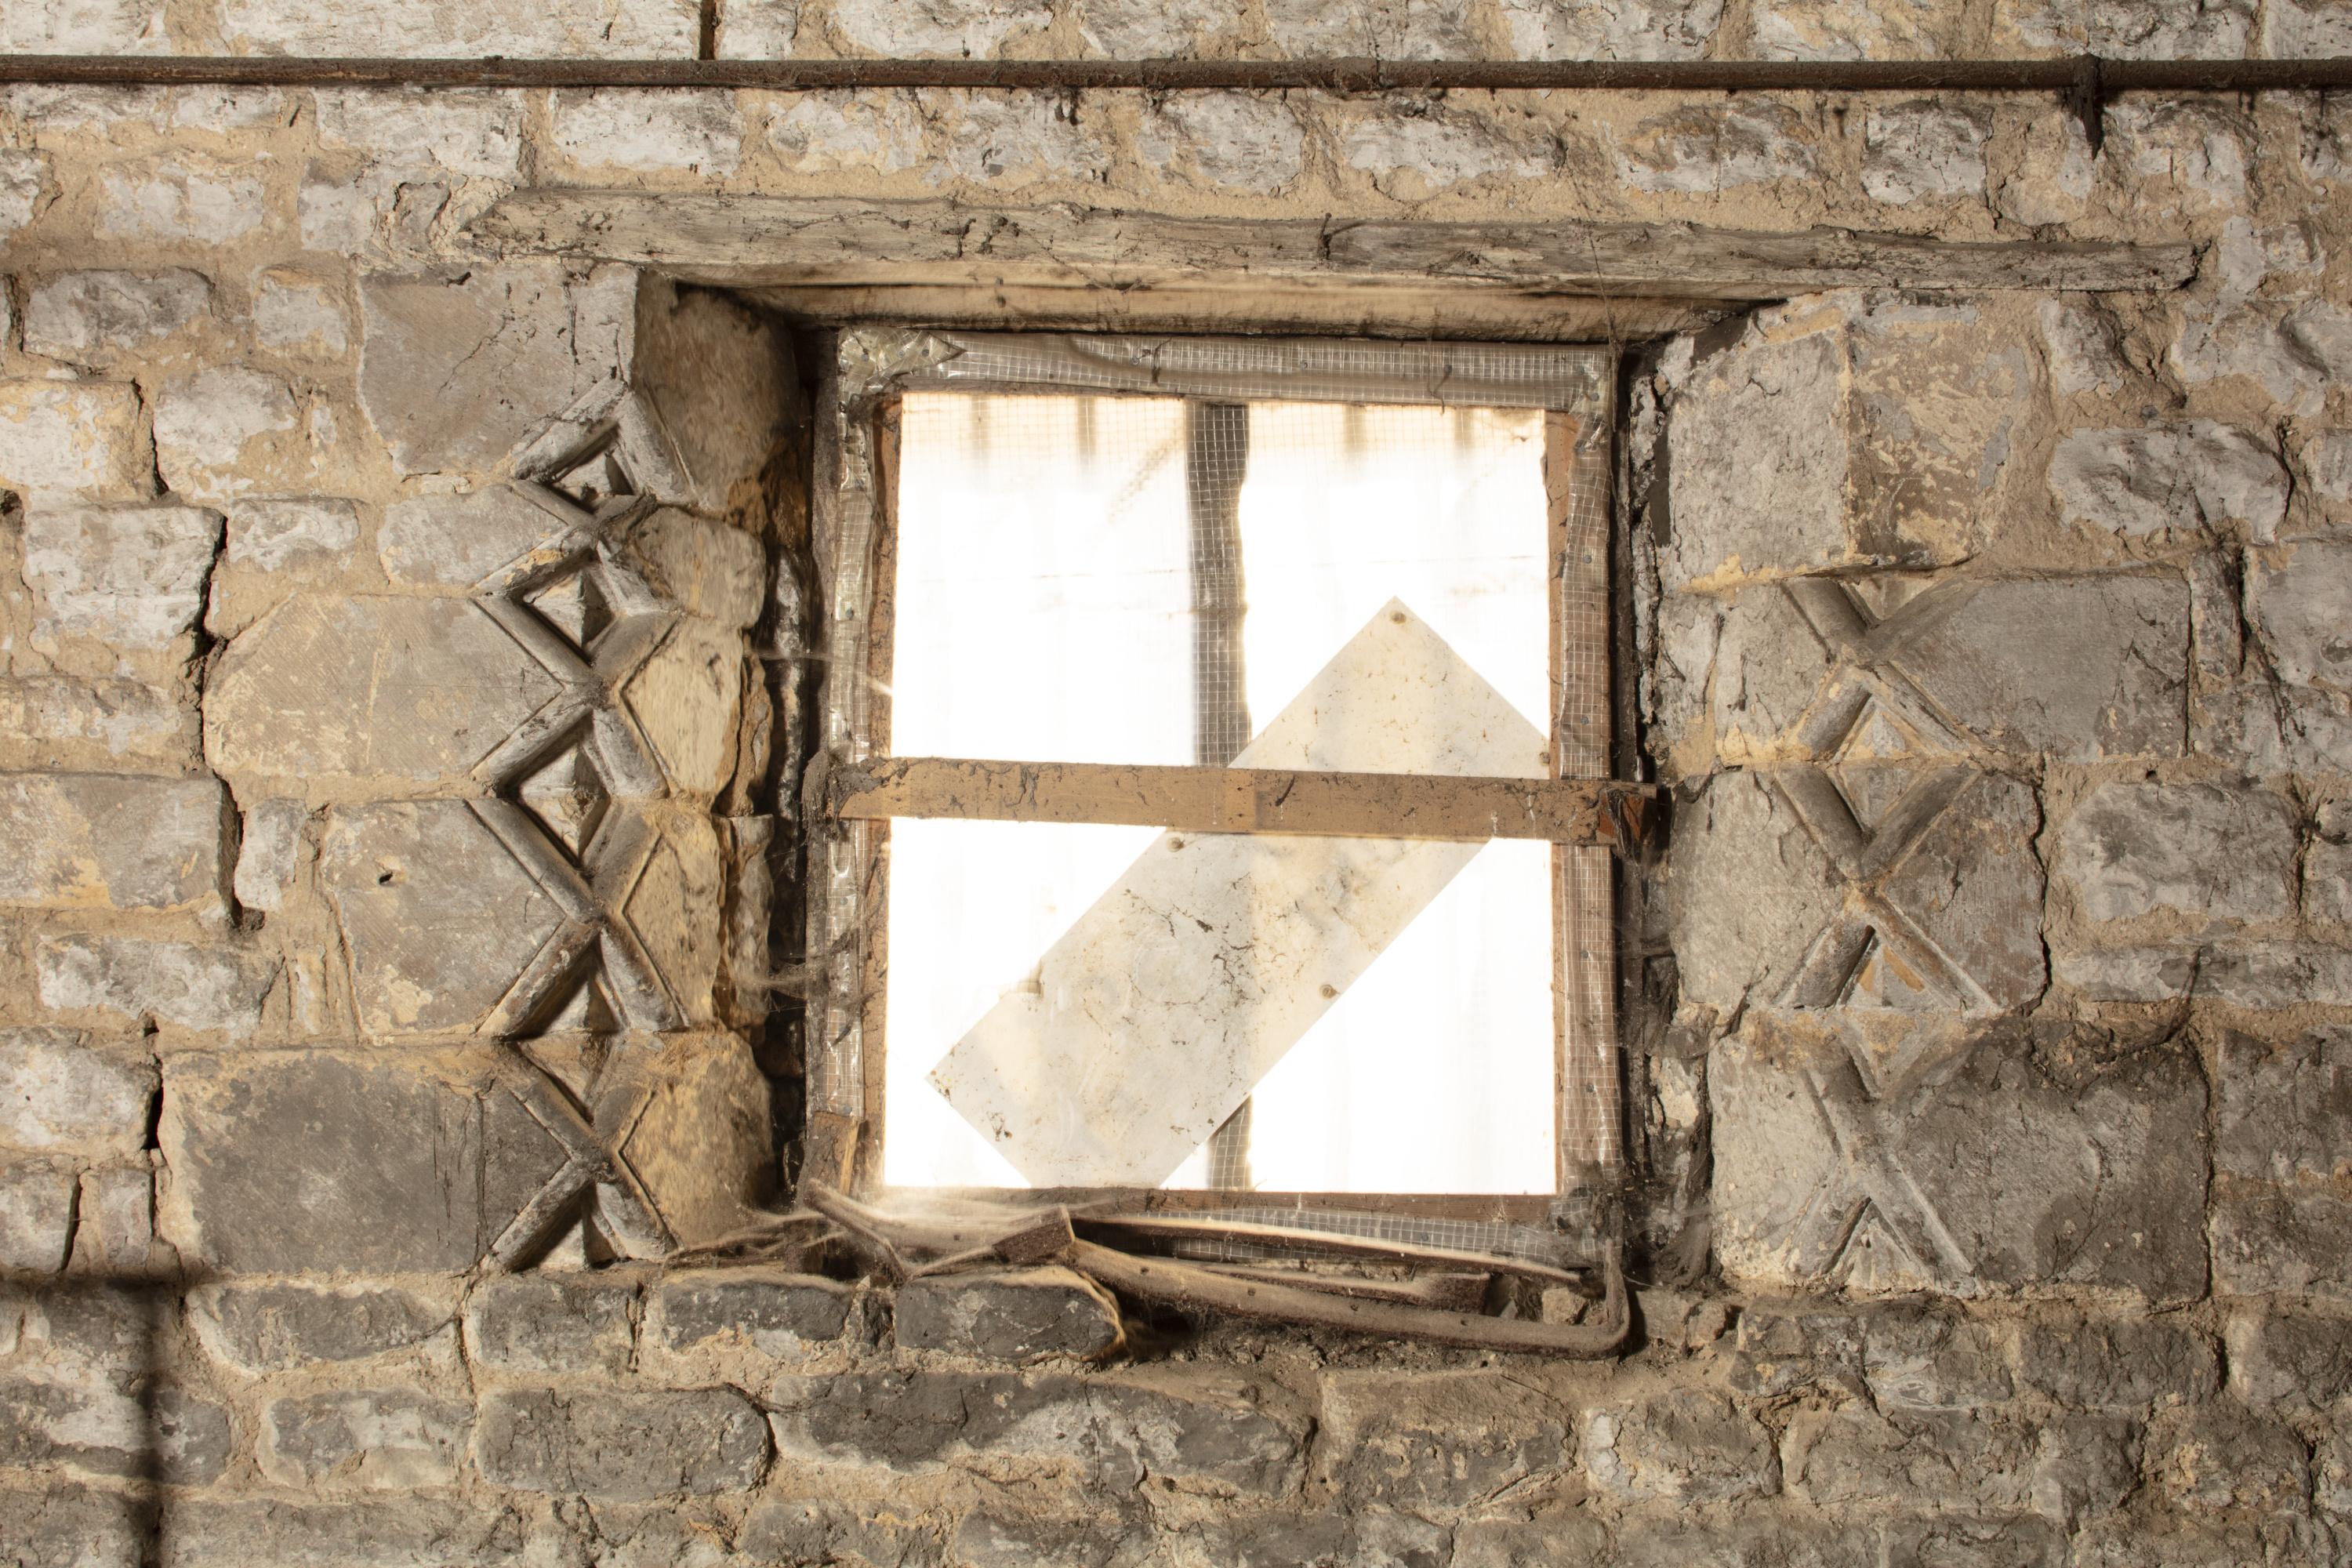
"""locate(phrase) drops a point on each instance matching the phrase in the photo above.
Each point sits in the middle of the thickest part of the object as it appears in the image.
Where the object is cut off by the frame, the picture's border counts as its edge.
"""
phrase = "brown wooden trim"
(874, 907)
(1248, 800)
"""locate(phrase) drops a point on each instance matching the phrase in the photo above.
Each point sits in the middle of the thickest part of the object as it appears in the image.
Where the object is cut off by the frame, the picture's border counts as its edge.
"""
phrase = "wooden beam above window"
(1250, 800)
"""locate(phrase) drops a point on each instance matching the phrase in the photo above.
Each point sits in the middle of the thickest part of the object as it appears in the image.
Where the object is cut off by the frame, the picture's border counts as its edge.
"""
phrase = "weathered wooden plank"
(1250, 800)
(773, 238)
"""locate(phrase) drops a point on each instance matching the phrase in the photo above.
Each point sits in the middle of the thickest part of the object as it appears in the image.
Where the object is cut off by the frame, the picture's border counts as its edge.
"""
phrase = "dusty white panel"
(1153, 1017)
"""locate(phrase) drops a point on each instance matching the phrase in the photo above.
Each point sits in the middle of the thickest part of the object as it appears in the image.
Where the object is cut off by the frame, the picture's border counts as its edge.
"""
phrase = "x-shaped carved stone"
(592, 1167)
(1864, 650)
(1870, 1184)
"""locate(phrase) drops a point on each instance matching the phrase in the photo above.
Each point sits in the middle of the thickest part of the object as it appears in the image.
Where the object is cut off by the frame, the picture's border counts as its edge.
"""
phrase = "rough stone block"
(1304, 30)
(380, 1439)
(65, 441)
(2290, 1365)
(1824, 30)
(270, 854)
(622, 1447)
(2142, 483)
(106, 1432)
(103, 841)
(1016, 1317)
(280, 1328)
(132, 576)
(1099, 1538)
(2296, 595)
(1984, 1172)
(856, 1535)
(950, 29)
(1687, 1447)
(2328, 866)
(631, 29)
(459, 540)
(301, 535)
(190, 199)
(1293, 1538)
(2268, 1240)
(2083, 344)
(1438, 1441)
(1759, 471)
(315, 1162)
(439, 916)
(686, 697)
(2213, 851)
(58, 1091)
(701, 567)
(2220, 1455)
(1780, 1351)
(405, 689)
(114, 1221)
(1709, 148)
(2118, 1363)
(219, 429)
(459, 364)
(1640, 30)
(298, 314)
(37, 1215)
(1933, 1361)
(553, 1322)
(1740, 834)
(777, 1312)
(63, 1526)
(58, 720)
(1852, 1456)
(2127, 29)
(81, 316)
(1206, 1431)
(1924, 151)
(1241, 141)
(1412, 152)
(464, 131)
(2285, 1112)
(382, 1532)
(217, 989)
(649, 129)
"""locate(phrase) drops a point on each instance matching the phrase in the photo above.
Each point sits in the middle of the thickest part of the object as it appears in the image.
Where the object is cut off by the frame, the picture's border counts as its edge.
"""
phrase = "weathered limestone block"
(2283, 1112)
(378, 1439)
(1626, 30)
(1933, 1361)
(1853, 1457)
(776, 1312)
(1780, 1349)
(714, 386)
(630, 29)
(2140, 483)
(24, 188)
(380, 1532)
(553, 1322)
(2296, 595)
(1982, 1172)
(1741, 835)
(876, 129)
(2083, 344)
(809, 1530)
(2327, 866)
(2282, 350)
(114, 1221)
(106, 841)
(1774, 414)
(1411, 151)
(297, 314)
(2220, 1455)
(459, 364)
(2126, 29)
(2270, 1240)
(280, 1328)
(130, 576)
(1393, 29)
(1025, 1315)
(649, 129)
(1437, 1441)
(397, 688)
(81, 316)
(1710, 148)
(62, 1526)
(1206, 1431)
(458, 540)
(1688, 1447)
(2292, 1364)
(301, 535)
(998, 1537)
(1248, 142)
(59, 722)
(2242, 971)
(105, 1432)
(622, 1447)
(1924, 151)
(196, 987)
(703, 568)
(226, 431)
(951, 29)
(1012, 140)
(271, 853)
(704, 1144)
(686, 697)
(74, 440)
(2214, 852)
(439, 917)
(2118, 1363)
(461, 131)
(59, 1090)
(197, 199)
(78, 27)
(321, 1161)
(37, 1215)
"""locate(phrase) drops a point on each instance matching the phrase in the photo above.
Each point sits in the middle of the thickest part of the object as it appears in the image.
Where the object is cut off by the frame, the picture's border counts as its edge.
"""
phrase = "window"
(1095, 602)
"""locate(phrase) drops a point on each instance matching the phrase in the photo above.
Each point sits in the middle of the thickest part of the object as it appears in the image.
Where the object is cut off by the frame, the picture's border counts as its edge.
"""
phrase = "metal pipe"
(2104, 77)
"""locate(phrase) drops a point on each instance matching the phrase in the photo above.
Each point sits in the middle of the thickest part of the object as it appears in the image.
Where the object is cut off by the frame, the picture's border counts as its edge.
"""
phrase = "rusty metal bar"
(1250, 800)
(2063, 76)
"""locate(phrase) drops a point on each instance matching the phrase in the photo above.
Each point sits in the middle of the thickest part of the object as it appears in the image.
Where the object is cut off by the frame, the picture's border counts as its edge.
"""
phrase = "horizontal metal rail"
(2077, 76)
(1249, 800)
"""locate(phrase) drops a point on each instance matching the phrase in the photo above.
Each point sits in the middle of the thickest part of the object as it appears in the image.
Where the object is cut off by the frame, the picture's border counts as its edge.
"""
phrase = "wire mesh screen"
(1164, 579)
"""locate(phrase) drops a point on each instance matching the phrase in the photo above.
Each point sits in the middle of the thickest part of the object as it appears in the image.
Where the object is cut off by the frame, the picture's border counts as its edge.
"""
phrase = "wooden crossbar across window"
(1602, 812)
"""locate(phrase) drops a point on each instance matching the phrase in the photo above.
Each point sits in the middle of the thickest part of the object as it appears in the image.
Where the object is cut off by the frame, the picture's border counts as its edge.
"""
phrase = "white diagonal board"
(1158, 1012)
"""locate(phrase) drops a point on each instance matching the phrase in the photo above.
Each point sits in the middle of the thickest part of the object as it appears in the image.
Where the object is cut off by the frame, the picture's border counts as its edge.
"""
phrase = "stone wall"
(402, 642)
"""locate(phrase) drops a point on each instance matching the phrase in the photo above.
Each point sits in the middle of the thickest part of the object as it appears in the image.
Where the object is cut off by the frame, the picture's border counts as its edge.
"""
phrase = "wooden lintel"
(778, 240)
(1250, 800)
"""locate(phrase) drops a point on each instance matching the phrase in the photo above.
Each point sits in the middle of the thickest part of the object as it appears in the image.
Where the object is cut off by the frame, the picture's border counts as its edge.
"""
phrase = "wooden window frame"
(856, 786)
